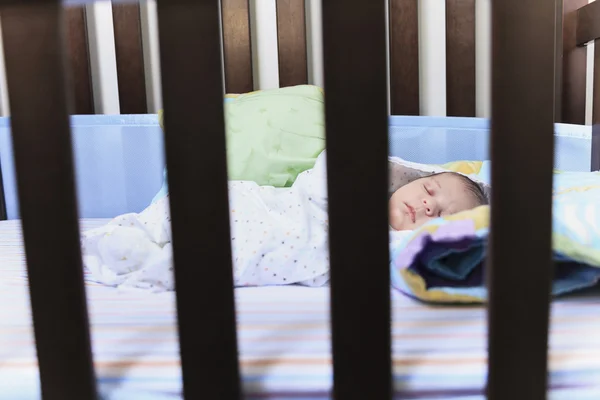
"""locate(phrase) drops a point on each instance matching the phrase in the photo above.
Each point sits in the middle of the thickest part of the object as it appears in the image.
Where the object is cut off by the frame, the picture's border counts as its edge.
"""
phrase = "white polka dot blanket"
(278, 237)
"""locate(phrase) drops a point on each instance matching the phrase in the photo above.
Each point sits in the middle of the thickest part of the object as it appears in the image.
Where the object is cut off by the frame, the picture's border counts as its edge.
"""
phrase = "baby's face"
(427, 198)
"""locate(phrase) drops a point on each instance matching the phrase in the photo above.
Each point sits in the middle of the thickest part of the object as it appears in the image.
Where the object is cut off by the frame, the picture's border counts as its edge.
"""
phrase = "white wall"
(590, 81)
(101, 43)
(151, 55)
(264, 54)
(590, 84)
(483, 57)
(4, 106)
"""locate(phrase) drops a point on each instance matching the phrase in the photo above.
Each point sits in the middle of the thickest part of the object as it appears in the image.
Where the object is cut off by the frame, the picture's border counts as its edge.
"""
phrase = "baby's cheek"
(396, 218)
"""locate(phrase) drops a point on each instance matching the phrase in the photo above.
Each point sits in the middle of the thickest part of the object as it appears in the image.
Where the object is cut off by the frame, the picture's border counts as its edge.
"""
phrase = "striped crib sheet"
(438, 352)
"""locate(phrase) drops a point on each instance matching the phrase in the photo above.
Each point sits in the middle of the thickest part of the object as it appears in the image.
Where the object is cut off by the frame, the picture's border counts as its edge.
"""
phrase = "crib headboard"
(236, 51)
(586, 29)
(524, 108)
(404, 36)
(128, 53)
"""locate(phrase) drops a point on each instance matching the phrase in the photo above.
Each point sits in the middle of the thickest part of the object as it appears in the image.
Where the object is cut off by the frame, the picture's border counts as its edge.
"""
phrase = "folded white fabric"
(279, 236)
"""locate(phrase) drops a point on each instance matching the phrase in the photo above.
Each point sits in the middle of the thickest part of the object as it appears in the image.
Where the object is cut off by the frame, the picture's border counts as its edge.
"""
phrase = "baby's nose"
(429, 207)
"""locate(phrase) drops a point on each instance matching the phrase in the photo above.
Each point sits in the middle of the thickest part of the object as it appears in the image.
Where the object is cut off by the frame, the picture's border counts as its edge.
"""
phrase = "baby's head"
(433, 196)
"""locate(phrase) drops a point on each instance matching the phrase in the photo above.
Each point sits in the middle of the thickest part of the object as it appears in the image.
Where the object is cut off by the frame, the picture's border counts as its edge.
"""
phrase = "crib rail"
(237, 50)
(588, 30)
(588, 23)
(129, 56)
(354, 61)
(523, 113)
(519, 267)
(33, 46)
(200, 222)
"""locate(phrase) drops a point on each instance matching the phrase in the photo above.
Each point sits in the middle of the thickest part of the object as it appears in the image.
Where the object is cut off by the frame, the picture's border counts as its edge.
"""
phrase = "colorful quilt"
(442, 261)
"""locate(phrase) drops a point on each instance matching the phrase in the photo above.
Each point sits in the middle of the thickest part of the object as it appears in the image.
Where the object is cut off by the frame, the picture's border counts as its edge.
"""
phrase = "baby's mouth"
(411, 213)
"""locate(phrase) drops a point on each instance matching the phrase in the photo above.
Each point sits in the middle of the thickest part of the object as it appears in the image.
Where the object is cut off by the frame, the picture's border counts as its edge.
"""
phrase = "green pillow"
(273, 135)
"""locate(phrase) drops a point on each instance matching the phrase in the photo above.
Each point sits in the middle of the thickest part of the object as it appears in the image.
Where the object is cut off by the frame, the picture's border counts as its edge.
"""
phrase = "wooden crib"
(537, 68)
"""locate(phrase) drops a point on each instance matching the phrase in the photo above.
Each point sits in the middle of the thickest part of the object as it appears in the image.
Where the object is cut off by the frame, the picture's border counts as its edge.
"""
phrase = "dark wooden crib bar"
(527, 37)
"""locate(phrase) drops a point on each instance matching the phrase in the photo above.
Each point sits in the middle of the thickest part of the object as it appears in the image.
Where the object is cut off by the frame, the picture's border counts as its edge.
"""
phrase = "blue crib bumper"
(120, 164)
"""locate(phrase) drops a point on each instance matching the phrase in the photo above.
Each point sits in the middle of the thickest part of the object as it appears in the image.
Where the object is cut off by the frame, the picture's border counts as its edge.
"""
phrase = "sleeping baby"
(279, 236)
(433, 196)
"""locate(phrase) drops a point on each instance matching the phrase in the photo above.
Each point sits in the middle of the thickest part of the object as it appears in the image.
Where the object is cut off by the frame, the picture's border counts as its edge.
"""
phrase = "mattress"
(438, 352)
